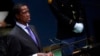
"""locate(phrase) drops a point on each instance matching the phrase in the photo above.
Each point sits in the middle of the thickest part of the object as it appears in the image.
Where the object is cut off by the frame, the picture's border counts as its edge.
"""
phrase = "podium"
(54, 48)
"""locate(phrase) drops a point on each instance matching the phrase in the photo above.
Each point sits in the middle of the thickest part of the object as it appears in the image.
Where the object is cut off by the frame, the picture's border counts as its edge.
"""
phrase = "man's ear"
(17, 16)
(50, 1)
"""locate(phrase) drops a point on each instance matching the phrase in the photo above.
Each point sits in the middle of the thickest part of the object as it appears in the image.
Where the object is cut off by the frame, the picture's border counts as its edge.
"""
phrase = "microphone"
(65, 44)
(56, 44)
(52, 41)
(57, 39)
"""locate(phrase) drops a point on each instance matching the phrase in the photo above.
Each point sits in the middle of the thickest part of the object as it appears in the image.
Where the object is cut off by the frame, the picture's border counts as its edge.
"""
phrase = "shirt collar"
(21, 25)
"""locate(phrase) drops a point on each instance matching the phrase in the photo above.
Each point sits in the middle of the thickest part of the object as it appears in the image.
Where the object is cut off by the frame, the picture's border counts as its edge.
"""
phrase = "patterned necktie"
(31, 34)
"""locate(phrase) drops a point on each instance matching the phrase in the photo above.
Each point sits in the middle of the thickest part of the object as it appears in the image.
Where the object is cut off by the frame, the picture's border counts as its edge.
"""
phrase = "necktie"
(31, 34)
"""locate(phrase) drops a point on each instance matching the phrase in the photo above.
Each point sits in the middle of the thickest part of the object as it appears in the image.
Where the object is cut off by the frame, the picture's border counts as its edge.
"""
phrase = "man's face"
(24, 15)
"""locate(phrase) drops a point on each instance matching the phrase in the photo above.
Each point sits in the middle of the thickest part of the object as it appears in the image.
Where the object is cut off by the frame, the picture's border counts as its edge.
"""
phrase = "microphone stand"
(81, 51)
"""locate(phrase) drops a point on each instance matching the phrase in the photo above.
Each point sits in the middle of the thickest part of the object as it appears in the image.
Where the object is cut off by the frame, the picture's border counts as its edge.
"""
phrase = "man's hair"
(16, 8)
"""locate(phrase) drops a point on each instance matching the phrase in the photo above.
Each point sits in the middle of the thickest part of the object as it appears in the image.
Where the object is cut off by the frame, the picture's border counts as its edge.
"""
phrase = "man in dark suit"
(6, 23)
(8, 20)
(71, 21)
(20, 42)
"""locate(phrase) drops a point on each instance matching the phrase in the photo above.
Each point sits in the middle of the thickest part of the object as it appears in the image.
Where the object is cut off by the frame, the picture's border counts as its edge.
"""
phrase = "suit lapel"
(35, 33)
(25, 35)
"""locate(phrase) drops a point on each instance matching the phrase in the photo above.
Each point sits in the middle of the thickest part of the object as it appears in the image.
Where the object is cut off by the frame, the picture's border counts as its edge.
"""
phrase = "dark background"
(45, 21)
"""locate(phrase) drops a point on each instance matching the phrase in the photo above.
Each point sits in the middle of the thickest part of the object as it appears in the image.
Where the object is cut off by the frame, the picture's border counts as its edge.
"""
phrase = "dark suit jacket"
(3, 46)
(21, 44)
(63, 11)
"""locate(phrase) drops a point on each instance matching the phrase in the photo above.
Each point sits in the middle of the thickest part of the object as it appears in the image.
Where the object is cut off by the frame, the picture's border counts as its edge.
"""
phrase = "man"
(20, 40)
(6, 15)
(6, 23)
(71, 21)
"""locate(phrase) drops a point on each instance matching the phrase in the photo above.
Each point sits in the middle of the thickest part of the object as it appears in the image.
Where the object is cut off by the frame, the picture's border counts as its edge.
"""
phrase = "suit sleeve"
(57, 11)
(14, 47)
(82, 17)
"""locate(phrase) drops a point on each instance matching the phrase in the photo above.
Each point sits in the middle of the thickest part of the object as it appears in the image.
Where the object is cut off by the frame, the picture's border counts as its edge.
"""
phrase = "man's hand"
(78, 28)
(2, 24)
(43, 54)
(49, 54)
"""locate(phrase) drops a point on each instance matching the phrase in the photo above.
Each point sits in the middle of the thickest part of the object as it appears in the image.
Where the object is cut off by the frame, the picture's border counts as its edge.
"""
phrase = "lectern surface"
(57, 52)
